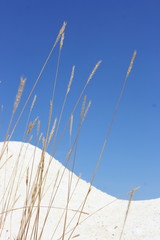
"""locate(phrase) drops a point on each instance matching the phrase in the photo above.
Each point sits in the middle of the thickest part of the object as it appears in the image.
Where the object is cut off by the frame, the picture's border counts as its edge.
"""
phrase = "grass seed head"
(93, 71)
(33, 102)
(19, 94)
(71, 79)
(52, 131)
(62, 40)
(131, 64)
(31, 125)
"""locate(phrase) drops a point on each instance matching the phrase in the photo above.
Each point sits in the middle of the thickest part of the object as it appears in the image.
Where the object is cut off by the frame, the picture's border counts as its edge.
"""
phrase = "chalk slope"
(103, 215)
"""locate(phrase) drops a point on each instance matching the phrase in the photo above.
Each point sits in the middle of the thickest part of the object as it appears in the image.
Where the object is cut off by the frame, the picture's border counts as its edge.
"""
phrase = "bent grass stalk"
(42, 206)
(29, 116)
(107, 135)
(127, 211)
(76, 105)
(64, 102)
(8, 137)
(54, 87)
(38, 78)
(73, 165)
(98, 210)
(15, 106)
(32, 124)
(55, 193)
(91, 75)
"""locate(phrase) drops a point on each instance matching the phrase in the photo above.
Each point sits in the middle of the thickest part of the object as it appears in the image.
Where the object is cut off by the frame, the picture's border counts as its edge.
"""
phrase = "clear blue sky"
(97, 30)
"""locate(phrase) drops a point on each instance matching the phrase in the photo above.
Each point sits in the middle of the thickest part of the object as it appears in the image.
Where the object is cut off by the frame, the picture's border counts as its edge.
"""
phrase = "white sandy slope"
(143, 222)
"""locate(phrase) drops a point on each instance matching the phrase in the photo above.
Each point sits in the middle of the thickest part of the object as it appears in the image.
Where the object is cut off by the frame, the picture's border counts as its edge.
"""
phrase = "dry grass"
(29, 227)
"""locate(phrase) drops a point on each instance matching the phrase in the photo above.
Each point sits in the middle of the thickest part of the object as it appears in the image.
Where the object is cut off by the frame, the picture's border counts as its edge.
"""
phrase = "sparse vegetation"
(35, 174)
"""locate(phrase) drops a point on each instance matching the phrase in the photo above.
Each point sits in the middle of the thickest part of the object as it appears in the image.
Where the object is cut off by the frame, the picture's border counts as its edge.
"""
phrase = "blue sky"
(96, 30)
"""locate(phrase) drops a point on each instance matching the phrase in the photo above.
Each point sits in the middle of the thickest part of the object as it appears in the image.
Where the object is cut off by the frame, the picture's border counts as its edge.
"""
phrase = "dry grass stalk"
(27, 215)
(10, 197)
(49, 117)
(64, 102)
(42, 206)
(37, 80)
(128, 207)
(108, 204)
(75, 236)
(19, 94)
(86, 111)
(52, 131)
(61, 32)
(15, 106)
(32, 193)
(69, 189)
(62, 40)
(30, 139)
(31, 125)
(28, 120)
(27, 176)
(93, 72)
(70, 133)
(50, 202)
(5, 161)
(69, 197)
(33, 103)
(24, 214)
(76, 104)
(40, 137)
(49, 123)
(38, 185)
(59, 182)
(50, 108)
(131, 64)
(60, 35)
(38, 127)
(104, 144)
(83, 107)
(112, 119)
(50, 161)
(107, 136)
(71, 125)
(98, 210)
(72, 194)
(8, 137)
(70, 179)
(54, 192)
(43, 141)
(71, 79)
(91, 214)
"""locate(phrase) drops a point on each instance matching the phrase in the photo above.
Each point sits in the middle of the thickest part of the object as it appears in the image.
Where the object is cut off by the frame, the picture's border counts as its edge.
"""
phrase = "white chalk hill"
(102, 216)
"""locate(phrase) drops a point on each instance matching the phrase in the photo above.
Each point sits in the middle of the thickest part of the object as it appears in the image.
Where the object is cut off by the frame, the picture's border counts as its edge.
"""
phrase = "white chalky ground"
(143, 222)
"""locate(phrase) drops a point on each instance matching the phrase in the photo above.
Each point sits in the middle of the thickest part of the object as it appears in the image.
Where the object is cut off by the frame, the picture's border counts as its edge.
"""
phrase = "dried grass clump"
(29, 226)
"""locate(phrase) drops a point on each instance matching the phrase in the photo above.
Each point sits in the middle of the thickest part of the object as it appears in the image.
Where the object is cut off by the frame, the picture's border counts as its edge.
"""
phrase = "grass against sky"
(96, 30)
